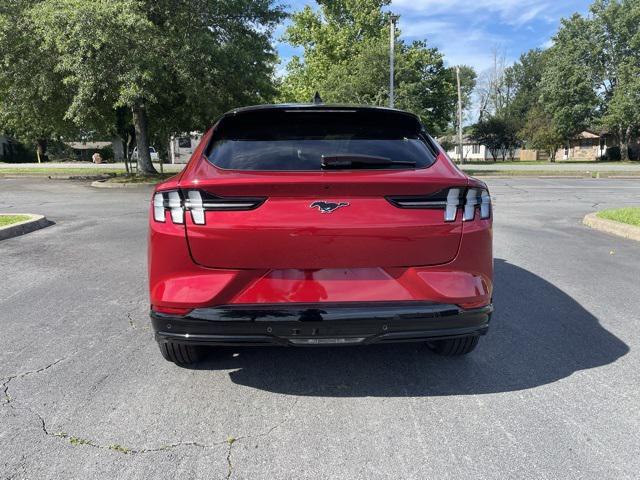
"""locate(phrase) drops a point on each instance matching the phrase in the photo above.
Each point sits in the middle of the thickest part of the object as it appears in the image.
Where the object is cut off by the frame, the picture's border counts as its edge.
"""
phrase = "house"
(472, 151)
(588, 145)
(85, 149)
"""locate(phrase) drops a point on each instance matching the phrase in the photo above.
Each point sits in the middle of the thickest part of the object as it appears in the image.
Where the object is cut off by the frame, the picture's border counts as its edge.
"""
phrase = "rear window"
(289, 140)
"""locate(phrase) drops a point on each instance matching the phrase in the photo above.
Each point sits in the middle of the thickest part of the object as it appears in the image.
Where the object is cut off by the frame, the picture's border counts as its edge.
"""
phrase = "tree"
(174, 65)
(591, 76)
(525, 76)
(498, 135)
(346, 59)
(617, 30)
(623, 110)
(569, 81)
(33, 97)
(539, 132)
(495, 88)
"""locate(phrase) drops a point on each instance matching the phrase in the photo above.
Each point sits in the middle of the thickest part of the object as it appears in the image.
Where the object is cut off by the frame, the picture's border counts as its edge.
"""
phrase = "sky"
(467, 31)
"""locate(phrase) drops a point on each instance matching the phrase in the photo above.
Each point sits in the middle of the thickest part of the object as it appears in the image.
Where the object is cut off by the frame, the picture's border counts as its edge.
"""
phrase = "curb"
(107, 184)
(36, 222)
(614, 228)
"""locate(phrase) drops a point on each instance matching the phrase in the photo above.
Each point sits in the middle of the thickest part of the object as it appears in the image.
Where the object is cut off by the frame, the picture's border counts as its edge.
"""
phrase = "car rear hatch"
(320, 188)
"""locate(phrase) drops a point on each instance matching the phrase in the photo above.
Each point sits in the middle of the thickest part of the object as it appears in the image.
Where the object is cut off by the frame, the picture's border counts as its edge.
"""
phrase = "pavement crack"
(274, 427)
(116, 447)
(80, 441)
(7, 380)
(231, 441)
(132, 324)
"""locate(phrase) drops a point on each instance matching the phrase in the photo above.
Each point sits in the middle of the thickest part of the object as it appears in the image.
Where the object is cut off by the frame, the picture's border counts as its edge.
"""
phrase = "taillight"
(197, 202)
(470, 199)
(171, 201)
(477, 198)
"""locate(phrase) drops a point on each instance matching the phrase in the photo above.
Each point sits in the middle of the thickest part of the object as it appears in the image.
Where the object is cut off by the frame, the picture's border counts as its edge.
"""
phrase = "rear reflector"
(171, 311)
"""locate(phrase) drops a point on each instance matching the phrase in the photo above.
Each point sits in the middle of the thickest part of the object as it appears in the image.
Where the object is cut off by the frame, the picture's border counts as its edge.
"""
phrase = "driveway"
(552, 392)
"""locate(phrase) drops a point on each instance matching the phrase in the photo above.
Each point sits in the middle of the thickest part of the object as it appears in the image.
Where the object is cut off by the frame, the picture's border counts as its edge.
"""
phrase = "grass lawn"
(630, 215)
(6, 220)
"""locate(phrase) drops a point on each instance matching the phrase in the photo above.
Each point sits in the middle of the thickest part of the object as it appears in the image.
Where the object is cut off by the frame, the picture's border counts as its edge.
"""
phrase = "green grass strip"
(6, 220)
(630, 215)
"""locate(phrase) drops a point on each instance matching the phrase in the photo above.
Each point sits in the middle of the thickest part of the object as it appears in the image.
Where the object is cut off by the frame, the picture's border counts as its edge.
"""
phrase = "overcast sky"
(467, 30)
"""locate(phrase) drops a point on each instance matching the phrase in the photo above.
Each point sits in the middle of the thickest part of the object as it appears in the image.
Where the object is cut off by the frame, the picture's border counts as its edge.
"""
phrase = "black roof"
(319, 107)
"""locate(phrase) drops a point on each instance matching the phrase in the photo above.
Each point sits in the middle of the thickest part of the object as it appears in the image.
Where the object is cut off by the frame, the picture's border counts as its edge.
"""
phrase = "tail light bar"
(177, 202)
(449, 200)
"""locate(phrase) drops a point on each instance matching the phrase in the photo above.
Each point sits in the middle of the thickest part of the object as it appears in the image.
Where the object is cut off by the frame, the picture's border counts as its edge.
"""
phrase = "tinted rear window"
(279, 140)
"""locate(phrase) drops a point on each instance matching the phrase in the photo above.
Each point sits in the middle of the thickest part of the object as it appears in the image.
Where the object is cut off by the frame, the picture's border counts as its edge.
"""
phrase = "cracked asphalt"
(552, 392)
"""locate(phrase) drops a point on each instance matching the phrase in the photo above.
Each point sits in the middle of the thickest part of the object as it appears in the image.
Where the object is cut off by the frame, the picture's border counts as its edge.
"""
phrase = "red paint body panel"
(286, 252)
(287, 233)
(176, 281)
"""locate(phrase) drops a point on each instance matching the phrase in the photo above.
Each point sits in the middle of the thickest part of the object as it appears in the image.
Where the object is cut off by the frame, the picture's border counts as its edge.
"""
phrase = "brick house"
(588, 145)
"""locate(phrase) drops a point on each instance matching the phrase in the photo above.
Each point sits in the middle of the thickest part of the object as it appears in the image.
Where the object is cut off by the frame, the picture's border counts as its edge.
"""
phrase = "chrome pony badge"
(328, 207)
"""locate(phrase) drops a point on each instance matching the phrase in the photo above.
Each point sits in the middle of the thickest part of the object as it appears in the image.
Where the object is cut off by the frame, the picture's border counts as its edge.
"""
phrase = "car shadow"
(538, 335)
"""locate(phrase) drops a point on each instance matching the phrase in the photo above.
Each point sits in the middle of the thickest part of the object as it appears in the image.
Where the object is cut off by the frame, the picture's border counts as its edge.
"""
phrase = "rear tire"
(454, 347)
(180, 353)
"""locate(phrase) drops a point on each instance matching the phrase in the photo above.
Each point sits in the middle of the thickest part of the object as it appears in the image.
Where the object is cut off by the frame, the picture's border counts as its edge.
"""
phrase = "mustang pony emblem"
(328, 207)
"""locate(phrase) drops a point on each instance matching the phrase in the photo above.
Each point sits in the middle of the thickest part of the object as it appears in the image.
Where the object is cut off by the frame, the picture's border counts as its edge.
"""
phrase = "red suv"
(310, 225)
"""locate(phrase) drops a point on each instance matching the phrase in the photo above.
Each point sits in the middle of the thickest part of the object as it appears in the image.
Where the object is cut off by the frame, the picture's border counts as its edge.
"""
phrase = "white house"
(85, 149)
(470, 152)
(473, 151)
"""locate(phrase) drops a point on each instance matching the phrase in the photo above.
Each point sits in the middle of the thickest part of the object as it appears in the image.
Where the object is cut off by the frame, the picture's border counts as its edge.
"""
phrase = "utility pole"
(460, 144)
(392, 52)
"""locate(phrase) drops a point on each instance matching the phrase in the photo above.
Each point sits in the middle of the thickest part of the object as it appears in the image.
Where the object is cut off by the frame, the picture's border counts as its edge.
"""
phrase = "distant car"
(152, 151)
(311, 225)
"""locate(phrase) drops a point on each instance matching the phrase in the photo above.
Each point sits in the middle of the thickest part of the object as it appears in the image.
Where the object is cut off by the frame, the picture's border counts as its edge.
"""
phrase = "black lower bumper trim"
(321, 324)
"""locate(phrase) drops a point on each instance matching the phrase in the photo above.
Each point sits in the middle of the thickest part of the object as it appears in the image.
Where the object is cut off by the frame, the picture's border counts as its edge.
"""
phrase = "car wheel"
(454, 347)
(179, 353)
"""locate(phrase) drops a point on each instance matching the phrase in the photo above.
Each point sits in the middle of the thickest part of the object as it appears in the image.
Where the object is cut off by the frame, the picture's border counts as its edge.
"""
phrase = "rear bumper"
(321, 324)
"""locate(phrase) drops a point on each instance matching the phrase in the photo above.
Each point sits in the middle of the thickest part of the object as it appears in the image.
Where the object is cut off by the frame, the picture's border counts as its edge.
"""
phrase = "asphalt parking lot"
(552, 392)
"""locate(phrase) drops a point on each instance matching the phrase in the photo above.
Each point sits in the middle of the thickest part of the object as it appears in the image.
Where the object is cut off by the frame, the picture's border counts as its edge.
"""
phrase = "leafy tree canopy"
(33, 96)
(497, 134)
(346, 59)
(593, 68)
(540, 133)
(175, 65)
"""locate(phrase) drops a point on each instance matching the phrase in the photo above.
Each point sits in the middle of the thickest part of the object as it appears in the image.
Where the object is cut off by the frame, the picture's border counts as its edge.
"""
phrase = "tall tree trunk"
(624, 144)
(145, 166)
(125, 149)
(41, 149)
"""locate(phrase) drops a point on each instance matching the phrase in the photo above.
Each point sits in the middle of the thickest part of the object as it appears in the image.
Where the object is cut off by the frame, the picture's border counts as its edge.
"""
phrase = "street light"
(392, 47)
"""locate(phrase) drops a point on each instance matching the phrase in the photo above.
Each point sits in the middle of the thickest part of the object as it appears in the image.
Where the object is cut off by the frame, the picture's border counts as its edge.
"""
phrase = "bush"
(613, 154)
(19, 154)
